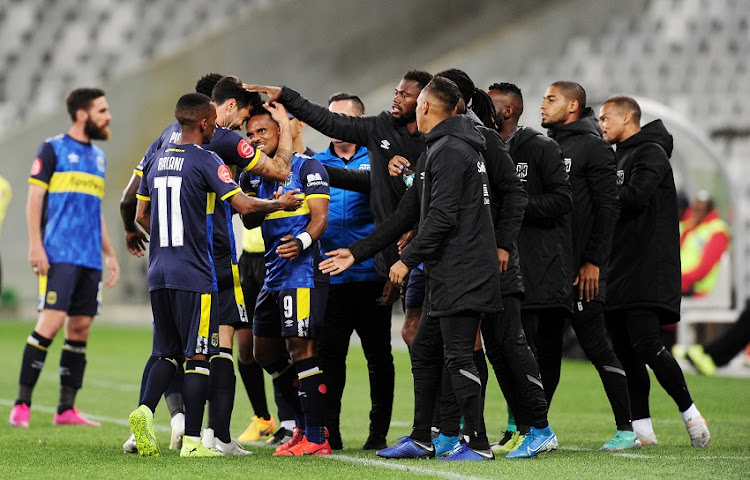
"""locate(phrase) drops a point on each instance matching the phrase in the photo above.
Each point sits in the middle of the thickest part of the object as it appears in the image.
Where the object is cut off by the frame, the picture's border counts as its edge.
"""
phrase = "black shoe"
(506, 437)
(281, 436)
(374, 442)
(334, 439)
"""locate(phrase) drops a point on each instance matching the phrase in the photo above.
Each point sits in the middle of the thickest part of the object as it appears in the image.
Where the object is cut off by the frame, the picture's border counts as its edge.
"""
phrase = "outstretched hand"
(277, 111)
(273, 92)
(136, 243)
(397, 165)
(289, 201)
(339, 260)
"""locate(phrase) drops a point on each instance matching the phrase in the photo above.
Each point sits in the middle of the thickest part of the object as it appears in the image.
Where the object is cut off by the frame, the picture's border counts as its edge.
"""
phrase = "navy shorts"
(71, 288)
(414, 297)
(185, 323)
(232, 309)
(296, 312)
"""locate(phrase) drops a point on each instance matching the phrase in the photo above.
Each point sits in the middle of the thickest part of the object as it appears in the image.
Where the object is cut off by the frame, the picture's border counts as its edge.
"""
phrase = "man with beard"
(67, 237)
(644, 265)
(386, 135)
(590, 163)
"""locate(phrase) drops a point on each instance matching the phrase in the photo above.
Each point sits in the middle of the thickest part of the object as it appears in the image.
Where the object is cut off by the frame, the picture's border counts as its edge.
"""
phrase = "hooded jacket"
(644, 267)
(384, 139)
(456, 239)
(544, 242)
(590, 162)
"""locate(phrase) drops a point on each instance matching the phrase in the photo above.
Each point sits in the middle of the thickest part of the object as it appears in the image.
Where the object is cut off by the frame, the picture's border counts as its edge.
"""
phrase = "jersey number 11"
(163, 185)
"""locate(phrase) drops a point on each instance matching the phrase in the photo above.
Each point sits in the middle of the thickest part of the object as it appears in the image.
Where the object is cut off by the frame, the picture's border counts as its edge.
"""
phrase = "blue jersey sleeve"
(249, 183)
(44, 165)
(143, 191)
(219, 177)
(314, 179)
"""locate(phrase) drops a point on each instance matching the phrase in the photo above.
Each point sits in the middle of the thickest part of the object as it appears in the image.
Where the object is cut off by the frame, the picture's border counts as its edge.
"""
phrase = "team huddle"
(497, 235)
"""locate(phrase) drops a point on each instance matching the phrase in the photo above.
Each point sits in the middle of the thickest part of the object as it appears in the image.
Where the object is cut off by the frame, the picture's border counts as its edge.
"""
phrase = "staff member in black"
(644, 266)
(590, 162)
(456, 242)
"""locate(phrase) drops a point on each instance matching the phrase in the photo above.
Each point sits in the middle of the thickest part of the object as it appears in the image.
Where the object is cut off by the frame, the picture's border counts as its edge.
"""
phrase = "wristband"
(298, 242)
(305, 239)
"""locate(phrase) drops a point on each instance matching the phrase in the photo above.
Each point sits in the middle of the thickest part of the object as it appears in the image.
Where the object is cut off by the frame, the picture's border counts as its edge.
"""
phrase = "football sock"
(34, 355)
(252, 378)
(285, 382)
(195, 394)
(511, 420)
(173, 393)
(221, 393)
(643, 426)
(144, 378)
(158, 378)
(312, 389)
(691, 413)
(72, 366)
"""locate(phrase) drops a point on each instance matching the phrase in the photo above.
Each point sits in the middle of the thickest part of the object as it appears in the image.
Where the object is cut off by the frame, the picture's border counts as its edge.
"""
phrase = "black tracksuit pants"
(731, 342)
(636, 340)
(352, 307)
(451, 338)
(588, 323)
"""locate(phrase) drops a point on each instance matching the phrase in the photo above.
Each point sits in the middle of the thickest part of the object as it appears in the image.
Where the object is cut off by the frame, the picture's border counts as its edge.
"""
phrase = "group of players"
(517, 233)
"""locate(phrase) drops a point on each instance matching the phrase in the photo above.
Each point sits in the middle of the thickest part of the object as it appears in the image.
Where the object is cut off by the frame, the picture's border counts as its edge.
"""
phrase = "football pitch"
(580, 416)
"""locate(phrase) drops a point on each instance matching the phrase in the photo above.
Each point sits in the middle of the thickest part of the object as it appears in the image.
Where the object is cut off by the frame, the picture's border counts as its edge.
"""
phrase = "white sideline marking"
(98, 418)
(672, 457)
(404, 467)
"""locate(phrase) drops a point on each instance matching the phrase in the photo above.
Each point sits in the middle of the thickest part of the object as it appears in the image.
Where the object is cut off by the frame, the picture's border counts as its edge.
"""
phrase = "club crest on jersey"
(289, 180)
(245, 149)
(224, 174)
(385, 144)
(522, 170)
(100, 163)
(36, 167)
(72, 158)
(620, 177)
(568, 162)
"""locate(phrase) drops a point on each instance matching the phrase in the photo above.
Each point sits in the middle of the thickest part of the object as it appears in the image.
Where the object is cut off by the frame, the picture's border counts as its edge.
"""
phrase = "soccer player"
(233, 106)
(456, 242)
(290, 307)
(590, 163)
(644, 265)
(67, 237)
(178, 192)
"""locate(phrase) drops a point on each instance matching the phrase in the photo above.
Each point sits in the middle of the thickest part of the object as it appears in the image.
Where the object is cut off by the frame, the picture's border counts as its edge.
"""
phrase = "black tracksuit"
(384, 139)
(644, 268)
(590, 162)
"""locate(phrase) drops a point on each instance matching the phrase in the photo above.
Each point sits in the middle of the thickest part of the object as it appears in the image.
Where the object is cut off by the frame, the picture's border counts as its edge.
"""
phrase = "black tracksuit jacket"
(590, 162)
(383, 138)
(544, 243)
(644, 267)
(456, 239)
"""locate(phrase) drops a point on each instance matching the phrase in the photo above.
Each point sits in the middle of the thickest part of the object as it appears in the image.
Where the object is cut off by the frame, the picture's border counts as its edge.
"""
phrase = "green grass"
(580, 416)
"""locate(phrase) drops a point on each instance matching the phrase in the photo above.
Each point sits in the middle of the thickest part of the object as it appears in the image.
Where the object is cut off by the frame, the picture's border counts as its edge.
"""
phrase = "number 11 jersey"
(182, 182)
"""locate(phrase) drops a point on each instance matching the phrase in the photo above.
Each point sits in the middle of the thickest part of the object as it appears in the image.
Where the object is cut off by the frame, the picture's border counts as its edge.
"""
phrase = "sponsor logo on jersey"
(51, 298)
(245, 149)
(36, 167)
(485, 194)
(175, 137)
(225, 175)
(385, 144)
(72, 158)
(620, 177)
(288, 323)
(365, 166)
(568, 162)
(314, 179)
(481, 167)
(522, 169)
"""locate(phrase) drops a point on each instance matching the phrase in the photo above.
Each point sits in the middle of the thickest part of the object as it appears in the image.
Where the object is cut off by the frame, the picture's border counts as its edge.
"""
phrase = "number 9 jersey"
(182, 182)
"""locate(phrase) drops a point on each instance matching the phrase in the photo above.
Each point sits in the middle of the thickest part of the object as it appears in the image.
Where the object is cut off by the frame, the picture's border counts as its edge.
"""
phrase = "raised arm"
(347, 179)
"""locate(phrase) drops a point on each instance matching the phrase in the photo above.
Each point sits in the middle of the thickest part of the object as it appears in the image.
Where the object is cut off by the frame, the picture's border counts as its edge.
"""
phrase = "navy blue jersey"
(184, 184)
(309, 176)
(235, 151)
(73, 174)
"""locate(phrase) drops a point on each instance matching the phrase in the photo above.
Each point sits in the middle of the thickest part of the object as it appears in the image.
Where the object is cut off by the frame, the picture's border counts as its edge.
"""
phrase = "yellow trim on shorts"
(310, 374)
(303, 304)
(210, 203)
(200, 372)
(42, 286)
(205, 322)
(239, 297)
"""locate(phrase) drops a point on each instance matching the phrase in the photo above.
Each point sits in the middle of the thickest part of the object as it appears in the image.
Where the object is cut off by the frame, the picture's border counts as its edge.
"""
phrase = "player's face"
(405, 100)
(502, 104)
(421, 112)
(98, 119)
(236, 117)
(345, 107)
(554, 108)
(263, 133)
(612, 122)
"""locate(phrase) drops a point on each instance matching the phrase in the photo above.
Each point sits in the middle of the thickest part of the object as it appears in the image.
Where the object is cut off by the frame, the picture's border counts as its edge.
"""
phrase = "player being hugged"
(181, 183)
(292, 303)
